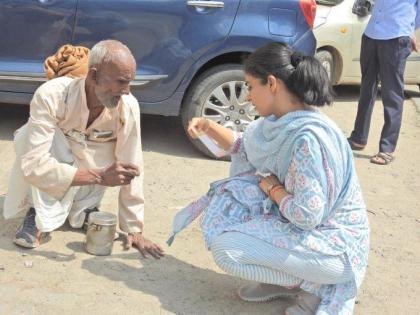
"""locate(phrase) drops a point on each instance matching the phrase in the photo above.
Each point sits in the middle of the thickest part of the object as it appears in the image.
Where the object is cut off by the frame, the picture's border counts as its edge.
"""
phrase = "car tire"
(327, 61)
(233, 112)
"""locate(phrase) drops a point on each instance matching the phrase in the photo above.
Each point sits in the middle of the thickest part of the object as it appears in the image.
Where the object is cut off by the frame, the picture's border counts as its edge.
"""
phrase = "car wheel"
(219, 94)
(327, 61)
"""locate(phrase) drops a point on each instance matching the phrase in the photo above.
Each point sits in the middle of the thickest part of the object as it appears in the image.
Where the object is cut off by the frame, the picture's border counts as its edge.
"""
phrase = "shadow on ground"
(166, 135)
(11, 118)
(347, 93)
(180, 287)
(188, 289)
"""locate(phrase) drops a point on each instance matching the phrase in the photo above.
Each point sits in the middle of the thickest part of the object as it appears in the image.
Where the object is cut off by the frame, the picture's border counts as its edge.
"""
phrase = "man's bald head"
(110, 51)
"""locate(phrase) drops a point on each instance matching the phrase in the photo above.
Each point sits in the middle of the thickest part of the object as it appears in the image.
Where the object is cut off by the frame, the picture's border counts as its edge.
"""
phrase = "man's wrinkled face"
(113, 80)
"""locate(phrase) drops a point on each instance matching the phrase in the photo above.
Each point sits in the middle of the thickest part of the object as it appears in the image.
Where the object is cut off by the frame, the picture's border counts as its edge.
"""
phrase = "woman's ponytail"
(303, 75)
(309, 81)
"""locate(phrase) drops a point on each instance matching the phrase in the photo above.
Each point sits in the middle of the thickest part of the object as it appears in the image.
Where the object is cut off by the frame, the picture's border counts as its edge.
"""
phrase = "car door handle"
(46, 2)
(206, 4)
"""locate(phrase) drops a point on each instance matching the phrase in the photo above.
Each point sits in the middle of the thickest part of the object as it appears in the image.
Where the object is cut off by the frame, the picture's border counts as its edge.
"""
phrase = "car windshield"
(329, 2)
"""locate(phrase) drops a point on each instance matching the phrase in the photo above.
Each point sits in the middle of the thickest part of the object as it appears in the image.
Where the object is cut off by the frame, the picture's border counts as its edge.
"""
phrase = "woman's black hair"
(303, 75)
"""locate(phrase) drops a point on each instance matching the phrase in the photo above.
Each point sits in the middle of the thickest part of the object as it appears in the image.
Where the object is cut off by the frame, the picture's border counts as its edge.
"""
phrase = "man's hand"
(143, 245)
(118, 174)
(414, 43)
(86, 177)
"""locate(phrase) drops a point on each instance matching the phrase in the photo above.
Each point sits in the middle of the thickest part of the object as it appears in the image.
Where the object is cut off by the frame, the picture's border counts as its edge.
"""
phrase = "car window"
(329, 2)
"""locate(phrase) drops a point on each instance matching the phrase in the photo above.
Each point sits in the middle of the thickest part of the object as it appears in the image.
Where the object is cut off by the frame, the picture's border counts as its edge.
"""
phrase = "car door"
(31, 30)
(165, 36)
(412, 69)
(358, 27)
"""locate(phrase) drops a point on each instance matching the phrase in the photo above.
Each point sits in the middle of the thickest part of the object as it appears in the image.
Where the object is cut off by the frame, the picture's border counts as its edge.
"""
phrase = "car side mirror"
(362, 7)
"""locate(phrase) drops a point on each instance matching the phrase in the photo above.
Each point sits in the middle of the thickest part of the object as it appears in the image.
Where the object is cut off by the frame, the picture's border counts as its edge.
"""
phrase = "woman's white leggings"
(253, 259)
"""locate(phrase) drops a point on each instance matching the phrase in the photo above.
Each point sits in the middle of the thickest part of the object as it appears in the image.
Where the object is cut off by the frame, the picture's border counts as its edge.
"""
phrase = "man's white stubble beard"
(109, 101)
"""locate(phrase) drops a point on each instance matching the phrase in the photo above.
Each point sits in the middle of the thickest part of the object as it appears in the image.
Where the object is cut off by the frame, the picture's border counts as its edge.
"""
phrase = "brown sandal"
(382, 158)
(355, 146)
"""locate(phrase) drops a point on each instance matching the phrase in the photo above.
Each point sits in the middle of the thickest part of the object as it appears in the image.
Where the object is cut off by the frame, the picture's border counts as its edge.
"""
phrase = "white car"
(339, 32)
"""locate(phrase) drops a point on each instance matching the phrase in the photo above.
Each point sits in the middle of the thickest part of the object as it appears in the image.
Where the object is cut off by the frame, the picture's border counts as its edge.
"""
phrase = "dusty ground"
(64, 279)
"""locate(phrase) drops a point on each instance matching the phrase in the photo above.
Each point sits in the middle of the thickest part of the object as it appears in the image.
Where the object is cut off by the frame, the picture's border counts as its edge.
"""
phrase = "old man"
(83, 135)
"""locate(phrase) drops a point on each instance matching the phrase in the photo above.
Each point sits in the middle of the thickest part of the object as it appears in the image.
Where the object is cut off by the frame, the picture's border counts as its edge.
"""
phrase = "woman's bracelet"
(271, 186)
(273, 189)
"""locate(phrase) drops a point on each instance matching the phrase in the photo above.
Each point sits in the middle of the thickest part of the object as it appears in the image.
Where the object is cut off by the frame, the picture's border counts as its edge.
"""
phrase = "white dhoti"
(50, 212)
(57, 141)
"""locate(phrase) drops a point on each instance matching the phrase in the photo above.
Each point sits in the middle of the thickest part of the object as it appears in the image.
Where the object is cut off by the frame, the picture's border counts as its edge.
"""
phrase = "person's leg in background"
(393, 55)
(369, 66)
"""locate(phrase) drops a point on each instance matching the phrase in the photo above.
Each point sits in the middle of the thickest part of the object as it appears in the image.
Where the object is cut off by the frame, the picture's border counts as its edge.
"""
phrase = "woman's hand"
(273, 189)
(198, 125)
(267, 183)
(220, 134)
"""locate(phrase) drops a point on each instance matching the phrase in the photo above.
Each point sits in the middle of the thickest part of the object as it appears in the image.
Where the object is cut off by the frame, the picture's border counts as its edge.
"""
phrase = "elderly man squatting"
(83, 135)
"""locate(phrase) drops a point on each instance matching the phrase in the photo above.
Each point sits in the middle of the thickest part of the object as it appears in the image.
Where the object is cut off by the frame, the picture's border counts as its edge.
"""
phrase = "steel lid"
(102, 218)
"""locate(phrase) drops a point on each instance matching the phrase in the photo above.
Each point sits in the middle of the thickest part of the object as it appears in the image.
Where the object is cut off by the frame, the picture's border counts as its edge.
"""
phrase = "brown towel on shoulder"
(68, 60)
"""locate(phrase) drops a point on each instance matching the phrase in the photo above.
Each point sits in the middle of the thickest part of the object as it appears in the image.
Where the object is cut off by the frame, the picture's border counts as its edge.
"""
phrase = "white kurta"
(59, 107)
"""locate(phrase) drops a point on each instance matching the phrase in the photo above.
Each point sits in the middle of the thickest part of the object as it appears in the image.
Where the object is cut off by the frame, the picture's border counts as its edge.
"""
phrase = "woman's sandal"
(355, 146)
(382, 158)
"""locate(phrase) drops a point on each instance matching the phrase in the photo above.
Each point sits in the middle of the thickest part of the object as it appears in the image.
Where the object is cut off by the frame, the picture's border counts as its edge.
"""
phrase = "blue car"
(188, 52)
